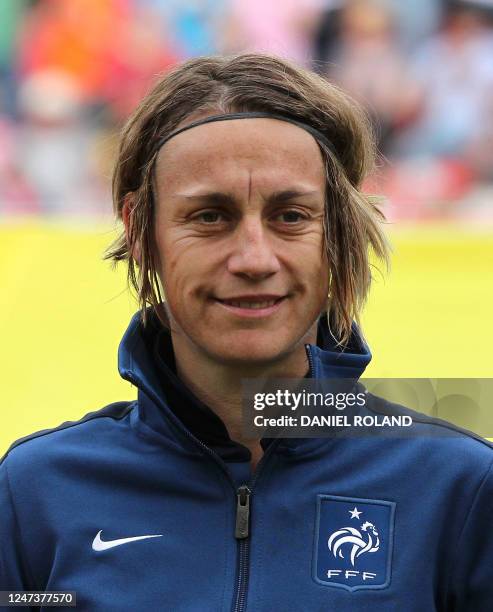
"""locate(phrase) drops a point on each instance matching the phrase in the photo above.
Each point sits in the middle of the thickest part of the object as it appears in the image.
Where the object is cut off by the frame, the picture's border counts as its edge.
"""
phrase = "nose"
(253, 254)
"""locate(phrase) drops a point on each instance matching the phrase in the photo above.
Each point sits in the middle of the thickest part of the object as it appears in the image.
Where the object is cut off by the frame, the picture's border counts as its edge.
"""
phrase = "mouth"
(256, 306)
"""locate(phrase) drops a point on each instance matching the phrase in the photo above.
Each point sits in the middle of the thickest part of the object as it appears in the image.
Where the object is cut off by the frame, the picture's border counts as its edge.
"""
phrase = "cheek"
(183, 273)
(174, 277)
(172, 269)
(313, 268)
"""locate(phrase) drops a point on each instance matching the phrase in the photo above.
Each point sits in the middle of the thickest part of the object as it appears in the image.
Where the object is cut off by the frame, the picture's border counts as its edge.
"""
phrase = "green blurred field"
(63, 311)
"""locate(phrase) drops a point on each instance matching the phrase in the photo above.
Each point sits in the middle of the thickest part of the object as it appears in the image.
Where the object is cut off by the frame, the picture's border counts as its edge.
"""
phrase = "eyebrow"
(218, 197)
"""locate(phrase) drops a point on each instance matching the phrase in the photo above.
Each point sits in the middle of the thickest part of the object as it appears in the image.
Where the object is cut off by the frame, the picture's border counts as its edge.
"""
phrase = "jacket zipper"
(242, 513)
(310, 359)
(242, 531)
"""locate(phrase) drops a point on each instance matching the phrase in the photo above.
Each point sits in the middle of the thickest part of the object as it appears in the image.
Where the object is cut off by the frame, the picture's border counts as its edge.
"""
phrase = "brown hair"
(257, 82)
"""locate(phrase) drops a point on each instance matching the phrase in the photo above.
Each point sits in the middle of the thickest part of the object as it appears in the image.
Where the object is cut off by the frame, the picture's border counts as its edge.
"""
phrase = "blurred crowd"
(72, 70)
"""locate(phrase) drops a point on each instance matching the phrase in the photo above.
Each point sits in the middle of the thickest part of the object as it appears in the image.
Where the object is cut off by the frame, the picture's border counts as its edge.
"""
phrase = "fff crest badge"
(353, 542)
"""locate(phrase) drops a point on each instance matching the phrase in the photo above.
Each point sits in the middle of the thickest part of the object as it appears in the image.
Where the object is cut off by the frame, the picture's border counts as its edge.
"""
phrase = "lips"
(246, 304)
(252, 302)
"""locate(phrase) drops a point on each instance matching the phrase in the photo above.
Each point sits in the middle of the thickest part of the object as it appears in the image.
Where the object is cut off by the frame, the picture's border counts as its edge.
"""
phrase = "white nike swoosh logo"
(99, 544)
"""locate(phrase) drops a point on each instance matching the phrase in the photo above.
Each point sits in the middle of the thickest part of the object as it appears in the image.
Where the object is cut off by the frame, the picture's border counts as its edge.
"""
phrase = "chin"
(251, 350)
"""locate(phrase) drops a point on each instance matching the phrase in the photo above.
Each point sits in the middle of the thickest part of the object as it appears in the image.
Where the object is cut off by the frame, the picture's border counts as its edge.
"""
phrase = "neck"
(219, 385)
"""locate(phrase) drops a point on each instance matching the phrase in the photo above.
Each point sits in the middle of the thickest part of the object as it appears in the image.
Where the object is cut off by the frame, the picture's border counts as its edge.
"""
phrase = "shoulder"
(33, 450)
(436, 436)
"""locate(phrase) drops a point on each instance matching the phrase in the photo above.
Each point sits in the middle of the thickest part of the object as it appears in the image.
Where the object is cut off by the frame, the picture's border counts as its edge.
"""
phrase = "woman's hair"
(264, 83)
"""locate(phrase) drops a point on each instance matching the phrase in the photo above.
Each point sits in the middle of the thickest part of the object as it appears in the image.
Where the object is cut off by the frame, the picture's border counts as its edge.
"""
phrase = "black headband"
(250, 115)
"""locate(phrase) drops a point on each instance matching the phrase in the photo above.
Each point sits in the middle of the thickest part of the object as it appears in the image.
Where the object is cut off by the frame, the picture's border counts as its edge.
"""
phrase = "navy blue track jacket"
(145, 505)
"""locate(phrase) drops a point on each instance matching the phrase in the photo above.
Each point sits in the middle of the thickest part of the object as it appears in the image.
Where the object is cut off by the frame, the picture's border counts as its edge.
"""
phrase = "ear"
(127, 210)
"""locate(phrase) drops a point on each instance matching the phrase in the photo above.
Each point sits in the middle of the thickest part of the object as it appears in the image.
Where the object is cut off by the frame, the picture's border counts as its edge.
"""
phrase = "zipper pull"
(242, 512)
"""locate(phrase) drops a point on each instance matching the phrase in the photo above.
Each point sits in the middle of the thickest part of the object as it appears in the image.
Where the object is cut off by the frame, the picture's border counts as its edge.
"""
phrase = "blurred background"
(72, 70)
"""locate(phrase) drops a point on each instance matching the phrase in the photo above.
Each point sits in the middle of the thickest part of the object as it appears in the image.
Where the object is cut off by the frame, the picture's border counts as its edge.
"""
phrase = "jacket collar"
(145, 358)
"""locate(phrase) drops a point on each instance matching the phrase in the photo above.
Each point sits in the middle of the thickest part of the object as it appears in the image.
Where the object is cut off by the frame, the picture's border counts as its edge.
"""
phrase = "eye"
(291, 217)
(209, 217)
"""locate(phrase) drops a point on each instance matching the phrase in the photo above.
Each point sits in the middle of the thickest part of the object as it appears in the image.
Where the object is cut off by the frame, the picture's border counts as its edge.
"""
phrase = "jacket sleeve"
(13, 575)
(472, 581)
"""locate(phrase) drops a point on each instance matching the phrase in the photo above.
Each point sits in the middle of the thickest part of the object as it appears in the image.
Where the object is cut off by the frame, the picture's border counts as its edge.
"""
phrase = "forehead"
(269, 151)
